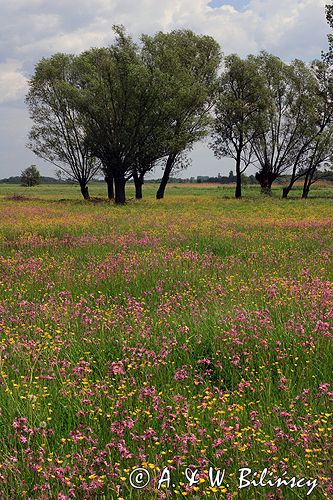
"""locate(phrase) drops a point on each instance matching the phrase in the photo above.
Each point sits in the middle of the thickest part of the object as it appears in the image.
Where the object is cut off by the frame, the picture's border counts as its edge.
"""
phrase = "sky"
(32, 29)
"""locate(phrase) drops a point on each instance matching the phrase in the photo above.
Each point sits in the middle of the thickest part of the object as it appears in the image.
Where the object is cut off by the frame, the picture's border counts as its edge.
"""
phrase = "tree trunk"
(85, 191)
(306, 185)
(266, 180)
(266, 190)
(109, 182)
(305, 193)
(119, 184)
(138, 182)
(306, 188)
(238, 191)
(166, 176)
(285, 191)
(266, 187)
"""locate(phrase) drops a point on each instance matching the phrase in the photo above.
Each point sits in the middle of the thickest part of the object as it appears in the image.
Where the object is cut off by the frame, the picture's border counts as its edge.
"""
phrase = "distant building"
(202, 178)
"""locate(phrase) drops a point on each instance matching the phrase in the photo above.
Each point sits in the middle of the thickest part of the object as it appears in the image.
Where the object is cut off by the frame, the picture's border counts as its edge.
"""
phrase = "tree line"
(131, 107)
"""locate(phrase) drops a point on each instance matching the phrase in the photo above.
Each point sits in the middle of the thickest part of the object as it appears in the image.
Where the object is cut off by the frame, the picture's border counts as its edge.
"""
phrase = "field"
(191, 332)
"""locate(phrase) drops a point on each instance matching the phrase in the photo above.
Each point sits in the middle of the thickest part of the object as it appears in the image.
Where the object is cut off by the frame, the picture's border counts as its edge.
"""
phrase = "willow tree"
(58, 132)
(120, 98)
(319, 161)
(286, 119)
(240, 105)
(315, 149)
(187, 66)
(329, 17)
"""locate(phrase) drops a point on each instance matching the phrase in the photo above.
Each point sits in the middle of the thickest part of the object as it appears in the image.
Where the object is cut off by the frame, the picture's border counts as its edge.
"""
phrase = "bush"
(30, 176)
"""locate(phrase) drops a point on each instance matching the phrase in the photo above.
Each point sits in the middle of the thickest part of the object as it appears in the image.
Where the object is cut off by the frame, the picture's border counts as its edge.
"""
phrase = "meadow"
(195, 331)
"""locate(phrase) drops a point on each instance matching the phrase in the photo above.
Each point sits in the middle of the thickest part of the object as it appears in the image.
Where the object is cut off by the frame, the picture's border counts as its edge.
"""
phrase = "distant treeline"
(43, 180)
(231, 179)
(199, 179)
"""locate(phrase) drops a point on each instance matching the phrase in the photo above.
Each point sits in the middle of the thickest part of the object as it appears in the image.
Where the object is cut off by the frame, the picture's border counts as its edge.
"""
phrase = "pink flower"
(181, 374)
(117, 368)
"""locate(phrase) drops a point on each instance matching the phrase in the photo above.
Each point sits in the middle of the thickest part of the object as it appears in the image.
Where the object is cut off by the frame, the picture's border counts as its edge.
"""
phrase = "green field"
(98, 190)
(191, 331)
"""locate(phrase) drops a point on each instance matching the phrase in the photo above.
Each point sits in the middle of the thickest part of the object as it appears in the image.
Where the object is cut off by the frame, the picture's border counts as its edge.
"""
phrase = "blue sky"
(238, 4)
(31, 29)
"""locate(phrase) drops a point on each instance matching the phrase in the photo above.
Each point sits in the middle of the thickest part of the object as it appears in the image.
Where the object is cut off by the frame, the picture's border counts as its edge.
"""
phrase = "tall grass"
(194, 331)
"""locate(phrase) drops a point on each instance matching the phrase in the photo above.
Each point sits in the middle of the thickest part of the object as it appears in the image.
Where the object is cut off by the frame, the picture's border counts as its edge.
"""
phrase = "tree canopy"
(122, 110)
(241, 101)
(187, 66)
(30, 176)
(58, 134)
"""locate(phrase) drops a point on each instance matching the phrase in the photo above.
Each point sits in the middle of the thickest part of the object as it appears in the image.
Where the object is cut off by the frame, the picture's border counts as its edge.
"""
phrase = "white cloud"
(290, 29)
(73, 42)
(31, 30)
(13, 83)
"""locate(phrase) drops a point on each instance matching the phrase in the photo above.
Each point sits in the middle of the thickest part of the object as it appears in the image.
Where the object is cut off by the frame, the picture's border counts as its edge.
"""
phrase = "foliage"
(288, 119)
(316, 151)
(58, 135)
(30, 176)
(130, 107)
(241, 102)
(328, 56)
(187, 66)
(116, 95)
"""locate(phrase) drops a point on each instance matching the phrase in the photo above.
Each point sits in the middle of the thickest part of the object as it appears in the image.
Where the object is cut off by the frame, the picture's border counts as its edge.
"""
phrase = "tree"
(187, 67)
(319, 157)
(319, 154)
(30, 176)
(317, 145)
(118, 96)
(328, 57)
(58, 135)
(285, 121)
(240, 104)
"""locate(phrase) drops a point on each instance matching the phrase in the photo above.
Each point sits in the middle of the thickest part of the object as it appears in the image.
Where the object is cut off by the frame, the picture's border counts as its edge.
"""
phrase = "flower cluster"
(208, 345)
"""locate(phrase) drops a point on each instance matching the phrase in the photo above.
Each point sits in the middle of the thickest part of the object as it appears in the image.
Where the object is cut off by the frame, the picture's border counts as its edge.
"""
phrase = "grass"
(196, 330)
(63, 192)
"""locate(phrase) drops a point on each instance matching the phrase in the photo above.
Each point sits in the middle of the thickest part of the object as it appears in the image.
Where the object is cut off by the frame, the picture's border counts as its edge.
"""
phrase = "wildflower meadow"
(182, 336)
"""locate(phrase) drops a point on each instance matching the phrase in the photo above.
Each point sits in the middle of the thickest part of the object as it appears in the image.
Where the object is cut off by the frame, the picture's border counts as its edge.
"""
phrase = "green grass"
(98, 190)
